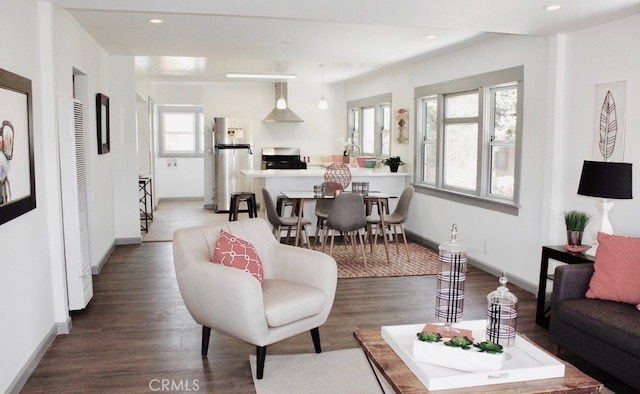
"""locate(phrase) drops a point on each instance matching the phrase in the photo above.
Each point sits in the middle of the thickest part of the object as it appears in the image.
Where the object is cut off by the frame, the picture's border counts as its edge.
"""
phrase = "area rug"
(424, 261)
(338, 371)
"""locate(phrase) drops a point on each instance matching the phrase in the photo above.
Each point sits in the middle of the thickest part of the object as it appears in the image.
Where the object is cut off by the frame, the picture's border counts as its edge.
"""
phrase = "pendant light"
(281, 103)
(322, 104)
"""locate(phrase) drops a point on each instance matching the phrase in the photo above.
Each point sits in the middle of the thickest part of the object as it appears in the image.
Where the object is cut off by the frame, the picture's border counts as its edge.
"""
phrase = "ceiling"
(202, 40)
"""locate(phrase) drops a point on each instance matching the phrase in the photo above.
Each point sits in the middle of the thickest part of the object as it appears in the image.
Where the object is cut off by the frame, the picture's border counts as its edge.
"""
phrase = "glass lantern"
(452, 269)
(502, 313)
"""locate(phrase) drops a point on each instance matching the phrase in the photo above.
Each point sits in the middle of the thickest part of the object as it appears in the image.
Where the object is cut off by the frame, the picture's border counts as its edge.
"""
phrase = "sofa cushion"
(286, 302)
(616, 269)
(237, 253)
(615, 322)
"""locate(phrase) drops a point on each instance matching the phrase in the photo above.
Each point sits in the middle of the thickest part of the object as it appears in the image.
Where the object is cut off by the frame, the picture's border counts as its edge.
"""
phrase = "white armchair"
(296, 294)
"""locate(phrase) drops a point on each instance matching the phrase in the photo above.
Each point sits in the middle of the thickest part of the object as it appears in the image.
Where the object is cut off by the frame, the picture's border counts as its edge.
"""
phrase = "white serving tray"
(524, 360)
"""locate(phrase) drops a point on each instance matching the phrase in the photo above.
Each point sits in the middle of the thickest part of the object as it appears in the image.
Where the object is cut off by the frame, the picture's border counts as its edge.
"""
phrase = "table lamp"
(606, 180)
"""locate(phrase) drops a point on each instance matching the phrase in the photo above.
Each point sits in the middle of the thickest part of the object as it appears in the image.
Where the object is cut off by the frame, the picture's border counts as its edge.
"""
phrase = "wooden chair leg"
(306, 236)
(315, 336)
(395, 236)
(555, 349)
(364, 257)
(406, 245)
(261, 354)
(206, 334)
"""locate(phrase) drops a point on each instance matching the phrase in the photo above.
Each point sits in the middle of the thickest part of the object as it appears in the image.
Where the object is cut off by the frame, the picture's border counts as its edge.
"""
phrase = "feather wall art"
(610, 111)
(608, 126)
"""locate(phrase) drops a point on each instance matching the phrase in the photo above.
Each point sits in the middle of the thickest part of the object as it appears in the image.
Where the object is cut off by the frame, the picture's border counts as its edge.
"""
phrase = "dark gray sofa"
(605, 334)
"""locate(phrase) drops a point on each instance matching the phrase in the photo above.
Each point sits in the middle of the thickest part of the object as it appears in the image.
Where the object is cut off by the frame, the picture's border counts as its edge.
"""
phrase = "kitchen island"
(275, 181)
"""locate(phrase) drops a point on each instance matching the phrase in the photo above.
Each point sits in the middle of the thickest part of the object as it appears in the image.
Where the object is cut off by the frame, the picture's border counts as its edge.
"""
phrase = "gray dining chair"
(395, 219)
(347, 216)
(281, 223)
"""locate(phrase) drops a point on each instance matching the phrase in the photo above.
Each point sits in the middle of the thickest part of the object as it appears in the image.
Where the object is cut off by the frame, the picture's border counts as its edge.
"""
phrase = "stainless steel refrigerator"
(232, 154)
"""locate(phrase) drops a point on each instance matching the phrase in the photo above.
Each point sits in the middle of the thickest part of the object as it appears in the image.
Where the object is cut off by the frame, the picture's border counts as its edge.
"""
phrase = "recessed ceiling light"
(155, 20)
(261, 75)
(430, 36)
(552, 7)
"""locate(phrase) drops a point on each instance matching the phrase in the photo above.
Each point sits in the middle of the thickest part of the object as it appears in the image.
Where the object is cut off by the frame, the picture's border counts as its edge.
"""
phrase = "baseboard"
(31, 364)
(523, 284)
(129, 241)
(64, 327)
(96, 270)
(181, 199)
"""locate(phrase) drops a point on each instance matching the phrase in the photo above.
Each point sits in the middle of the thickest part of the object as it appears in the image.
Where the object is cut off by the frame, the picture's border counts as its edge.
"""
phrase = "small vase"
(393, 167)
(574, 238)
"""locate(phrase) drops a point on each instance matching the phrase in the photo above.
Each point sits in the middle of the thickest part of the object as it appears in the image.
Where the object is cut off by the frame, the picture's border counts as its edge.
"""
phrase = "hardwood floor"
(136, 332)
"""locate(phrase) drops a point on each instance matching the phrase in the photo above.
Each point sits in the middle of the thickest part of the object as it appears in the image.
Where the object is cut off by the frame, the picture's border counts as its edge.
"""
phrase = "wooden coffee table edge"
(403, 380)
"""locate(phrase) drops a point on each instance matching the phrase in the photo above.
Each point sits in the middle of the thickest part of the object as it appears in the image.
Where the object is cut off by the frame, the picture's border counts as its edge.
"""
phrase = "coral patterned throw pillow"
(616, 269)
(237, 253)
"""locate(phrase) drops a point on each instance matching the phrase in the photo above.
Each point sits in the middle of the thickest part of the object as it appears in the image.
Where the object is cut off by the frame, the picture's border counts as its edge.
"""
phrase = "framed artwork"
(17, 176)
(610, 124)
(402, 124)
(102, 116)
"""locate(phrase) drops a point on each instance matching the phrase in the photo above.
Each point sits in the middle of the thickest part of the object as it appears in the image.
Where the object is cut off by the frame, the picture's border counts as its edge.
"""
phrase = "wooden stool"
(247, 197)
(282, 202)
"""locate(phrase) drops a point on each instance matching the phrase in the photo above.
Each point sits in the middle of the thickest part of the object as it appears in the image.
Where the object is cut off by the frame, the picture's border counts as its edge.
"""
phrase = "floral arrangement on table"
(430, 347)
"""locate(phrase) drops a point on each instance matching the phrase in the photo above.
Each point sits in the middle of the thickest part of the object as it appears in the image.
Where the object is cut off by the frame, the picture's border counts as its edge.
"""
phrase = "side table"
(559, 253)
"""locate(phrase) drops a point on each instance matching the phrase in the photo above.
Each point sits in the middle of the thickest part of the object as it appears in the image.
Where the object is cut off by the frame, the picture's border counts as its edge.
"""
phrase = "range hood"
(282, 115)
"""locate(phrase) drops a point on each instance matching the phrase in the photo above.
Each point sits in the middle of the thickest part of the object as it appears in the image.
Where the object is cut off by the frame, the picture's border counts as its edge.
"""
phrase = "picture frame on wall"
(103, 123)
(17, 175)
(610, 121)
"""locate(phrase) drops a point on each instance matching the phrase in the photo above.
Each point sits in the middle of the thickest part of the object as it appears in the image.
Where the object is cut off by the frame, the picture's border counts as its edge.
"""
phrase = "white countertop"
(319, 172)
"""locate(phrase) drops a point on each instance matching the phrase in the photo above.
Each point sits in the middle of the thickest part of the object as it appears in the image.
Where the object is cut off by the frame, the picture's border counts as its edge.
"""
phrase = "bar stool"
(247, 197)
(282, 202)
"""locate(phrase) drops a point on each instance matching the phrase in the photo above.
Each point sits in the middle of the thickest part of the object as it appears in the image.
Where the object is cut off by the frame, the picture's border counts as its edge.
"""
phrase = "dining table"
(370, 198)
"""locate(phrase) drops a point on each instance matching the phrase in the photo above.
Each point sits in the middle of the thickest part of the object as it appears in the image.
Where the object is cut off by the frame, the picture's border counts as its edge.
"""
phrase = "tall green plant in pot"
(576, 222)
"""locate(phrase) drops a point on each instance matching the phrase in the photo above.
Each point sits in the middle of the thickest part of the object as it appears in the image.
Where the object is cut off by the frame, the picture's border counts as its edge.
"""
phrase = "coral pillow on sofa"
(617, 269)
(237, 253)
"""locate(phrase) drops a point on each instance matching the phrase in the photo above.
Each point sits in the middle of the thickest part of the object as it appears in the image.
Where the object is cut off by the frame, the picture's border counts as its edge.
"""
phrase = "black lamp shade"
(606, 180)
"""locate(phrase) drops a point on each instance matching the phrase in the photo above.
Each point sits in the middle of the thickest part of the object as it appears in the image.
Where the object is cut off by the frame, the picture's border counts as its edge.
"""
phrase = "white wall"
(316, 136)
(47, 46)
(606, 53)
(76, 50)
(496, 239)
(27, 258)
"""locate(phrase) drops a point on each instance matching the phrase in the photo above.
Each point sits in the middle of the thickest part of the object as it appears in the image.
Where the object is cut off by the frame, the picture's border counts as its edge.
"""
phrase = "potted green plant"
(393, 162)
(576, 222)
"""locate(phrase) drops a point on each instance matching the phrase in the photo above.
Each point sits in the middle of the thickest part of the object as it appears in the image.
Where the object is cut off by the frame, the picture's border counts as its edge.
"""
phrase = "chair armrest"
(571, 281)
(223, 298)
(303, 266)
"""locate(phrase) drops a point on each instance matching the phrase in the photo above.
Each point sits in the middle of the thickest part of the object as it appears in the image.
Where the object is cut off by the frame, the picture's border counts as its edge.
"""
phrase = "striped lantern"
(452, 269)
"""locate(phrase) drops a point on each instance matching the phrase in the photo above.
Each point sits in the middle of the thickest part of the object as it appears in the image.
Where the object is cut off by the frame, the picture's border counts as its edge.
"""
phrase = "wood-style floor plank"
(136, 331)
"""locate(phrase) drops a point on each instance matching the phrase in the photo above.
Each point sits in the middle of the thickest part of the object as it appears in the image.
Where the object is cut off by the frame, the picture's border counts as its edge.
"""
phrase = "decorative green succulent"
(461, 342)
(429, 336)
(488, 347)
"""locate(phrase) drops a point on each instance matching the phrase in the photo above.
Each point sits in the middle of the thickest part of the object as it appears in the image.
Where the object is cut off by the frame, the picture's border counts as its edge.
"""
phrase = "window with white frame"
(369, 124)
(181, 130)
(470, 139)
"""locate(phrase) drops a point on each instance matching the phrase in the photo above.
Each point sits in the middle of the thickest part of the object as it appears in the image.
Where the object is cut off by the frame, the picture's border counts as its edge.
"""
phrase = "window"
(181, 130)
(369, 124)
(470, 132)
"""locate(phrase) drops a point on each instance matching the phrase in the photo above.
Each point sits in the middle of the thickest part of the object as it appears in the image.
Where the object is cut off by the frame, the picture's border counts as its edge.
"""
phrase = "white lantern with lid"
(502, 314)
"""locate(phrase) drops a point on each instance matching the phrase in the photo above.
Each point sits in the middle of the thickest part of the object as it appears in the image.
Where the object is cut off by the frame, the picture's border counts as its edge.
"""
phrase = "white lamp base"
(603, 224)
